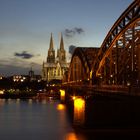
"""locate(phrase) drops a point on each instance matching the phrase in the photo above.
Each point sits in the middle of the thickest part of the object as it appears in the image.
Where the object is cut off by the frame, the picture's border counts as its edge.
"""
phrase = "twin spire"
(51, 48)
(61, 54)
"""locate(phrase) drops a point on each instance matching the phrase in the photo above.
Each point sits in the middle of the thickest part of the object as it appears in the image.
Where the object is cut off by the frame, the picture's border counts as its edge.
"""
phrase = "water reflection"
(9, 101)
(79, 111)
(2, 102)
(36, 119)
(44, 101)
(71, 136)
(18, 101)
(60, 107)
(30, 101)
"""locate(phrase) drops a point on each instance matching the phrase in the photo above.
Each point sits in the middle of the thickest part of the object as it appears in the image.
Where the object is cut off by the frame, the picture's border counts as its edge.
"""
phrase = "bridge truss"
(118, 60)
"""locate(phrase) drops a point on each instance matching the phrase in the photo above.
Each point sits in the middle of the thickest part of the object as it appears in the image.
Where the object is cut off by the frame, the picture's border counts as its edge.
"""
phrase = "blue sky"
(26, 25)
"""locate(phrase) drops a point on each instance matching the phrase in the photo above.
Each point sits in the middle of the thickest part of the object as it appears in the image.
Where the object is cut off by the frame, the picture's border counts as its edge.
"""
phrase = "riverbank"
(29, 94)
(21, 95)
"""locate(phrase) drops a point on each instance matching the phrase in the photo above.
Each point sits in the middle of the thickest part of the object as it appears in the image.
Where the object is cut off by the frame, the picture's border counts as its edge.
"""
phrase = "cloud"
(73, 31)
(24, 55)
(78, 30)
(71, 49)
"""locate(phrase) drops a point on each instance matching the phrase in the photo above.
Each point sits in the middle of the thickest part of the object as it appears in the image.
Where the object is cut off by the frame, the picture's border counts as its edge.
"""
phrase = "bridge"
(113, 67)
(102, 86)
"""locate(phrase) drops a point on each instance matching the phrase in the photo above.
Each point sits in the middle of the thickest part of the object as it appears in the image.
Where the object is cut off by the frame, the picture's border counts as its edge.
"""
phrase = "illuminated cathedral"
(55, 65)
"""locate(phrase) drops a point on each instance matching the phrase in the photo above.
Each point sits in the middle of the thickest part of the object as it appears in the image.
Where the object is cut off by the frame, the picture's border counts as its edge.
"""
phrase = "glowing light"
(73, 97)
(79, 111)
(60, 107)
(71, 136)
(91, 74)
(78, 103)
(128, 83)
(62, 95)
(1, 91)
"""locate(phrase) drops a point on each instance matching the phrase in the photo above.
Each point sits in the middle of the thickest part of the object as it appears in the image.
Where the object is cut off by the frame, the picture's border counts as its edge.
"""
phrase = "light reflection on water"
(71, 136)
(79, 111)
(34, 119)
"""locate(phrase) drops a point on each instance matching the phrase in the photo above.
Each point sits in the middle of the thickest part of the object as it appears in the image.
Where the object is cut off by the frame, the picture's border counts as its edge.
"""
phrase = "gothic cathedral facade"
(55, 66)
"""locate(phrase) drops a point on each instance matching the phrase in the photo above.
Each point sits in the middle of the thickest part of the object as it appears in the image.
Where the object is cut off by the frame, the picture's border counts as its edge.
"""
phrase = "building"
(19, 78)
(55, 65)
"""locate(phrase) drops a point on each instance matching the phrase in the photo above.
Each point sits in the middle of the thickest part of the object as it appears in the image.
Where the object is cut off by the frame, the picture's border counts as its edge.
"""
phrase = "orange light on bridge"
(73, 97)
(62, 95)
(79, 103)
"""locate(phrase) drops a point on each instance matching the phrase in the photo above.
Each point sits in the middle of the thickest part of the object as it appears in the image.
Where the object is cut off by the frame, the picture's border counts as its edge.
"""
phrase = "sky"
(26, 27)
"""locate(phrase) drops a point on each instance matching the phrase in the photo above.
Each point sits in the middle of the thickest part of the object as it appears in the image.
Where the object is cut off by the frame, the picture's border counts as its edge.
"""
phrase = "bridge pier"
(102, 110)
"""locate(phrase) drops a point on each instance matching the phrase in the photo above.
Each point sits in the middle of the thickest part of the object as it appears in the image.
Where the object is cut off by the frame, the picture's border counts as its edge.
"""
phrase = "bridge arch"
(80, 65)
(118, 59)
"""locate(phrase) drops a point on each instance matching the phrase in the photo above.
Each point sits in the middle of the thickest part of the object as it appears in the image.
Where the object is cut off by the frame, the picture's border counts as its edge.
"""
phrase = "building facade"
(55, 65)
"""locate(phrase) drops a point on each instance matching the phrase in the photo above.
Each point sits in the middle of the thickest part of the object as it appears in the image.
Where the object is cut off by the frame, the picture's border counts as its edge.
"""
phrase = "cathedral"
(55, 65)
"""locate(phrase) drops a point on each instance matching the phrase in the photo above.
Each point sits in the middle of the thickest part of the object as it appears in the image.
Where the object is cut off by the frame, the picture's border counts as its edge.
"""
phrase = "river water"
(35, 120)
(48, 119)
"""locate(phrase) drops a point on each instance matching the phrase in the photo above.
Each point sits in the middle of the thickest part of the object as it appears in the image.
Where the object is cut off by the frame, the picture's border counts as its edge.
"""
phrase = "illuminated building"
(55, 66)
(19, 78)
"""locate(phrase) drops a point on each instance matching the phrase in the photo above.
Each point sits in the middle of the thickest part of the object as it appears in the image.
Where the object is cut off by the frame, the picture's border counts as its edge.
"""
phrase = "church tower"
(51, 52)
(54, 68)
(61, 54)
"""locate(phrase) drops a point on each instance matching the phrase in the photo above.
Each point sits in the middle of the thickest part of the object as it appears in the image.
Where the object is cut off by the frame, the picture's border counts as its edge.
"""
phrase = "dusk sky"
(26, 26)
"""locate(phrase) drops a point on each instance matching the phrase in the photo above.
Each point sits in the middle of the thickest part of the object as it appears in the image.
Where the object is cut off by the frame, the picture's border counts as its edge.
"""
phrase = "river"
(48, 119)
(35, 120)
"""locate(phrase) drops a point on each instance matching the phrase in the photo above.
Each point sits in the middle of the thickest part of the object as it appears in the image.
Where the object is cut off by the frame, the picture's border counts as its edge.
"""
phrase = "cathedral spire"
(51, 48)
(61, 43)
(51, 52)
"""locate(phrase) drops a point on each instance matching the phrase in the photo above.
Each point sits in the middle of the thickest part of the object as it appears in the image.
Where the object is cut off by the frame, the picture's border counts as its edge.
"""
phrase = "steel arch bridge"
(81, 64)
(117, 61)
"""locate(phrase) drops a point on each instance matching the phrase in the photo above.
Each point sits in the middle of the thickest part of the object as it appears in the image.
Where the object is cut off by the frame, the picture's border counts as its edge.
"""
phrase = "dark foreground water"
(48, 120)
(35, 120)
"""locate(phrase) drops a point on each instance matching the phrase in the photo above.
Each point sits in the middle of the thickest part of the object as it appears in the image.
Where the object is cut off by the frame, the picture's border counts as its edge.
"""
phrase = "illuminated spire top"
(51, 48)
(61, 43)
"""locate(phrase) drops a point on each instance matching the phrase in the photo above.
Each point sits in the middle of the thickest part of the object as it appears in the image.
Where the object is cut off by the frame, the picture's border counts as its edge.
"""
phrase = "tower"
(51, 52)
(31, 74)
(61, 54)
(54, 68)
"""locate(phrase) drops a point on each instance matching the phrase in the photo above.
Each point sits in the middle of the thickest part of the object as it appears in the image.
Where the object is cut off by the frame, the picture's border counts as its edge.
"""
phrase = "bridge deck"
(104, 90)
